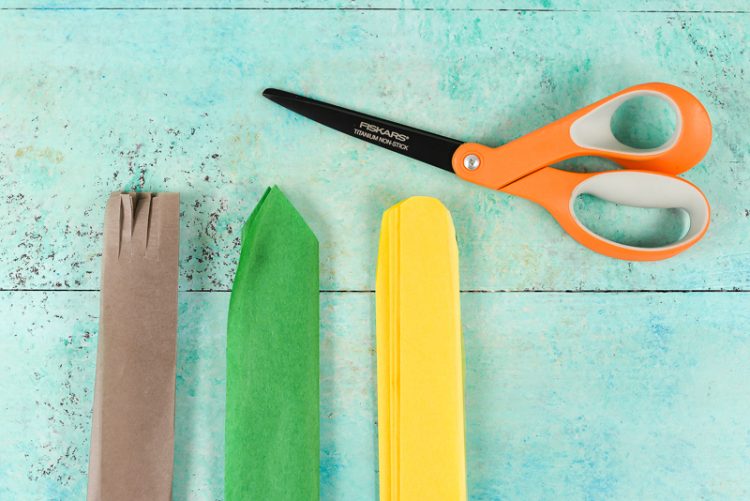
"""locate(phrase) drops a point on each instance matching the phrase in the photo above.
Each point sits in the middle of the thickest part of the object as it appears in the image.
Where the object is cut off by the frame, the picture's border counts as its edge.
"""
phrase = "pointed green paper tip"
(275, 205)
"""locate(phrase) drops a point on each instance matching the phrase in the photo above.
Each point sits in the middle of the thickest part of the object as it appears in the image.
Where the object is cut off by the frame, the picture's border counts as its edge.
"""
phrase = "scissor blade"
(418, 144)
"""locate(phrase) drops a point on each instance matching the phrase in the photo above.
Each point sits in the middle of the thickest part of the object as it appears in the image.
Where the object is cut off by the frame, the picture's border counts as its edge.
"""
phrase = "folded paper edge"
(388, 338)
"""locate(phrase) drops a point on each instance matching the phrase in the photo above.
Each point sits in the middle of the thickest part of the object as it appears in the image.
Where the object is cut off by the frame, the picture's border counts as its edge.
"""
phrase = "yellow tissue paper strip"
(419, 355)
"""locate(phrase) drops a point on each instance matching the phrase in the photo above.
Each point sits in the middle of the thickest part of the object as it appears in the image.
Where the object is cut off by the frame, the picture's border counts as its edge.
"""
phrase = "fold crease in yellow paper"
(419, 355)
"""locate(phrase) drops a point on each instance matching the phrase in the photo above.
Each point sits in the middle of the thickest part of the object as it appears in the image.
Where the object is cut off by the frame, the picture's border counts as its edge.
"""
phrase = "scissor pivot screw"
(471, 162)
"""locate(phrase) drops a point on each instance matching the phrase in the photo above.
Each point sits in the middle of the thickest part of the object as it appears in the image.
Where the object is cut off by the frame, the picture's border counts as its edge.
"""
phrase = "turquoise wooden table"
(586, 377)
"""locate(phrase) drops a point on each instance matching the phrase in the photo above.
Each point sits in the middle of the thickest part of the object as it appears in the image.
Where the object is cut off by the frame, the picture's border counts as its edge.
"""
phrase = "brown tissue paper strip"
(132, 433)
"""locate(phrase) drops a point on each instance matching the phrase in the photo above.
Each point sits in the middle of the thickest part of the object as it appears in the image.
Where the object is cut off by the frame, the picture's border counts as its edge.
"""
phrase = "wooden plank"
(96, 101)
(584, 395)
(170, 100)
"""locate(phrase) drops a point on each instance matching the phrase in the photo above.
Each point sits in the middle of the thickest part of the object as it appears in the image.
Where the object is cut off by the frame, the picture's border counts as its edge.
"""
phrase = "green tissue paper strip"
(272, 412)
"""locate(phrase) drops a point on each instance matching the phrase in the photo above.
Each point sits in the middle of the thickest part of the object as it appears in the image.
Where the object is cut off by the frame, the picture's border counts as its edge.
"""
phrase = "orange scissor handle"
(588, 132)
(556, 190)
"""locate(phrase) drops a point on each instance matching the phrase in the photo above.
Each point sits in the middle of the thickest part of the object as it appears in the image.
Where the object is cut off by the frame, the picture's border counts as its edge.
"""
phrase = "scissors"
(522, 166)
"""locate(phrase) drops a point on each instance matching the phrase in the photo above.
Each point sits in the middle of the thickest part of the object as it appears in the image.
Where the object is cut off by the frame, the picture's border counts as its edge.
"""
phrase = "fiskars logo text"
(383, 132)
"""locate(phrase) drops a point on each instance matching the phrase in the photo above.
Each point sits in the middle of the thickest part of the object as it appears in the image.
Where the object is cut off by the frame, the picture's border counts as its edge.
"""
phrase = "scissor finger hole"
(637, 123)
(643, 122)
(633, 226)
(640, 209)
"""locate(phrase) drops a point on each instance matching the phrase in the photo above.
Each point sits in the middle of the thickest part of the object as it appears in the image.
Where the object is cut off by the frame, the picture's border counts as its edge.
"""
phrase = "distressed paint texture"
(568, 396)
(467, 5)
(93, 101)
(576, 395)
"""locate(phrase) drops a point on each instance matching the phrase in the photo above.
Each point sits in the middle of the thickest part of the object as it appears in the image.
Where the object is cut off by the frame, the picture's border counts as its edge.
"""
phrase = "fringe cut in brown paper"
(132, 437)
